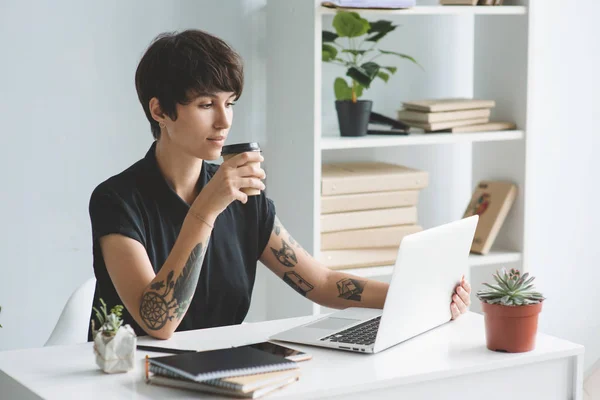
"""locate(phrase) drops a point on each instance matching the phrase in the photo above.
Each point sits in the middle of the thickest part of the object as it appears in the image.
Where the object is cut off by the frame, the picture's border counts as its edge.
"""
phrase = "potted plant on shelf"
(511, 308)
(114, 343)
(362, 36)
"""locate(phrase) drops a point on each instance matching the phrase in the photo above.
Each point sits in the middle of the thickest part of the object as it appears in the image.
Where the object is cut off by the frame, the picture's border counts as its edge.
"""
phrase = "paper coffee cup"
(234, 149)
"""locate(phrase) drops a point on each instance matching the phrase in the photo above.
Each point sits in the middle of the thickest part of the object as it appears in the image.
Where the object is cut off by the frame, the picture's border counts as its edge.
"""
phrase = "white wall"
(562, 177)
(70, 119)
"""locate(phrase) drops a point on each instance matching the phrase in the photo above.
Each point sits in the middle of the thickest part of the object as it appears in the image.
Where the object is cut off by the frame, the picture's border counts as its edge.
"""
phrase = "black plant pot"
(353, 117)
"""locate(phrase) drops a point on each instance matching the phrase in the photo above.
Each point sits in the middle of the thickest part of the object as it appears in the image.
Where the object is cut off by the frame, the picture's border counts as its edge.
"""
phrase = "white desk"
(450, 362)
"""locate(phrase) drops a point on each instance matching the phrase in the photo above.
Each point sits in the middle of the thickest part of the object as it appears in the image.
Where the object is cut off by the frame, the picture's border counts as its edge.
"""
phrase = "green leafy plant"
(109, 322)
(362, 36)
(511, 289)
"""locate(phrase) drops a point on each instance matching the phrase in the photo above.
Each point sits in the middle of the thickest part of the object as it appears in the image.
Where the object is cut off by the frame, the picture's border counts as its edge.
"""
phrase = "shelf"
(490, 59)
(442, 10)
(332, 142)
(494, 257)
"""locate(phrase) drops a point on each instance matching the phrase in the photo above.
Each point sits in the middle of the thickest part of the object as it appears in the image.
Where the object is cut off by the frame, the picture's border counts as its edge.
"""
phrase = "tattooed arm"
(333, 289)
(157, 302)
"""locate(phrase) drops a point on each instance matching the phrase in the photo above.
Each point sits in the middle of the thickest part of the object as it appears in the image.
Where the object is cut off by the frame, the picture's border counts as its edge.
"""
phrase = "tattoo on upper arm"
(156, 306)
(296, 244)
(286, 255)
(298, 283)
(277, 226)
(351, 289)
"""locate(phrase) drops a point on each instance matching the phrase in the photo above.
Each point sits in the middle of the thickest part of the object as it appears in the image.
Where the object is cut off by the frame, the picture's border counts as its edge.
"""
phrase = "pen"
(163, 349)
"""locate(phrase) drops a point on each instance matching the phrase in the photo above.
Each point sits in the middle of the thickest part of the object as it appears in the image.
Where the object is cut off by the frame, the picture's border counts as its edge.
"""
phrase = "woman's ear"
(156, 111)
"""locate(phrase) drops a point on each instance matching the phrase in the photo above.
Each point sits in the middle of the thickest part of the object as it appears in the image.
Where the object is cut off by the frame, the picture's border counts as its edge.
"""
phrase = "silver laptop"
(428, 268)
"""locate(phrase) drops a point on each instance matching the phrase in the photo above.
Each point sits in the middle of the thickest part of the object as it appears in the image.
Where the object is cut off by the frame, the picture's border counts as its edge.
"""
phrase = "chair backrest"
(73, 323)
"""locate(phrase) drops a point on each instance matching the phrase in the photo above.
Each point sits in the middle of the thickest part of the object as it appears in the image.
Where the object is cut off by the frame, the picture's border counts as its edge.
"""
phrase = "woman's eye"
(230, 104)
(206, 106)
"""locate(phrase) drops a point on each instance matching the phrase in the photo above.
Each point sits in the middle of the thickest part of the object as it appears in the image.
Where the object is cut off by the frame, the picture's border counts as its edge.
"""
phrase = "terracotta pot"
(511, 329)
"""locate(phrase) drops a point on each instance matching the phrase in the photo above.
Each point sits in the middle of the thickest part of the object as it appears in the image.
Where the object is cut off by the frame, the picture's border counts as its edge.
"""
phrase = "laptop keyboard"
(363, 334)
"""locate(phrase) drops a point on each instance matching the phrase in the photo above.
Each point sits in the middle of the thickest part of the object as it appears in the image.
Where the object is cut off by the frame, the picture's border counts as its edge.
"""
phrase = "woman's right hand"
(240, 171)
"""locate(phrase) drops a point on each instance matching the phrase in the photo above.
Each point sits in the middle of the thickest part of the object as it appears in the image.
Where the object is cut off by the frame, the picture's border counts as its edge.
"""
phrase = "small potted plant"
(511, 308)
(362, 36)
(114, 343)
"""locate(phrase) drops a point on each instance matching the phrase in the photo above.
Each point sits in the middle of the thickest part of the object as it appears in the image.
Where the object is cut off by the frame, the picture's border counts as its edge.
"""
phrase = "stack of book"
(451, 115)
(472, 2)
(242, 372)
(366, 210)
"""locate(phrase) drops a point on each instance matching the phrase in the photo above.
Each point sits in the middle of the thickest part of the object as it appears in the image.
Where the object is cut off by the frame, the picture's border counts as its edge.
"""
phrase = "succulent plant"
(511, 289)
(109, 322)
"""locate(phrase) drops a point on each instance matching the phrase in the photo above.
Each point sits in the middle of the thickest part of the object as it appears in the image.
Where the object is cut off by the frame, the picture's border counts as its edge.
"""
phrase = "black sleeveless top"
(140, 204)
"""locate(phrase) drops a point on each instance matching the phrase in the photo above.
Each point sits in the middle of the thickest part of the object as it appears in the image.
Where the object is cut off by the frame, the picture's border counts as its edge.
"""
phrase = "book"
(155, 379)
(368, 201)
(422, 116)
(366, 177)
(368, 219)
(459, 2)
(487, 127)
(384, 4)
(215, 364)
(249, 383)
(492, 201)
(358, 258)
(450, 104)
(371, 238)
(438, 126)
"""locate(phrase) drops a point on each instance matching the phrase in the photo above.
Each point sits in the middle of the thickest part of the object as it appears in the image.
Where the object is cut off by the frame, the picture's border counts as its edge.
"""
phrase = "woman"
(174, 239)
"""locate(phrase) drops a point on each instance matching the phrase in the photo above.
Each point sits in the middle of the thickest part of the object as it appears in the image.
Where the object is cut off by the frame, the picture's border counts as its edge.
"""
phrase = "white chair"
(73, 323)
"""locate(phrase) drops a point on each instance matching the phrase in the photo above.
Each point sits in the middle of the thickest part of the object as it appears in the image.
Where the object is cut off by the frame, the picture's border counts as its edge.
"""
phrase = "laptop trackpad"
(332, 323)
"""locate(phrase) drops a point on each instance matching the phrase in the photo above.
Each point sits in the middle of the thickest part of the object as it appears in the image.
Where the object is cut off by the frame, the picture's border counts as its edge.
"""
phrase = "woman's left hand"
(461, 299)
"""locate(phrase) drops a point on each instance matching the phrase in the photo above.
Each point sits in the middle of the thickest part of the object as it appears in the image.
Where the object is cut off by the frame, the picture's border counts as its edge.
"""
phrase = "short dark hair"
(177, 67)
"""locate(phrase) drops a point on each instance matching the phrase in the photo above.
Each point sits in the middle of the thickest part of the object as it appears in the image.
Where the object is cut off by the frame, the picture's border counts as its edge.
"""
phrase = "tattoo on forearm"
(351, 289)
(297, 283)
(286, 255)
(157, 304)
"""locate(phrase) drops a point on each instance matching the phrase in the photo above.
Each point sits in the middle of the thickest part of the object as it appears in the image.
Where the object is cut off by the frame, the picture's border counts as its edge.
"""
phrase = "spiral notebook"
(249, 392)
(215, 364)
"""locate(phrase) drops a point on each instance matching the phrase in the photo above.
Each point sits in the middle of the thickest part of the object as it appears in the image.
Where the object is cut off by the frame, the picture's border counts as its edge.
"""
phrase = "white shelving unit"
(490, 60)
(330, 142)
(440, 10)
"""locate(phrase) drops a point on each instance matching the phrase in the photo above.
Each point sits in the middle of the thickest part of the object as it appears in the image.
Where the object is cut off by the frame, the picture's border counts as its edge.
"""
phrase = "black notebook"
(215, 364)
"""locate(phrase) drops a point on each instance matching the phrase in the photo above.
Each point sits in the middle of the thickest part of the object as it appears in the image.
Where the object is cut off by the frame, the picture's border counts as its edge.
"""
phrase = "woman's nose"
(222, 119)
